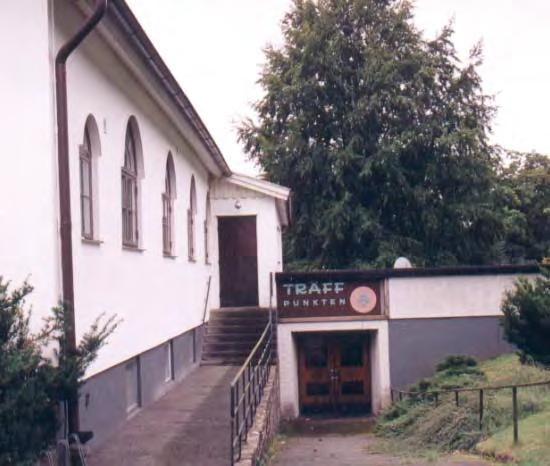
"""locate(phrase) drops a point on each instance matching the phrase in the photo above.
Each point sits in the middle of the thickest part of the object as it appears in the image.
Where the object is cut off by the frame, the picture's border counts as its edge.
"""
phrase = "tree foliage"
(382, 136)
(525, 187)
(31, 385)
(526, 319)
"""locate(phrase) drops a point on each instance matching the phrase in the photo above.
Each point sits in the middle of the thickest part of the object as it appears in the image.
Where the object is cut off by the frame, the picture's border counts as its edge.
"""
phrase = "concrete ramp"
(189, 426)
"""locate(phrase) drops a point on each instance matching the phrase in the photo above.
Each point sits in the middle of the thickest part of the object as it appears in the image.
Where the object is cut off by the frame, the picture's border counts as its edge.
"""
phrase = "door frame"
(257, 278)
(335, 402)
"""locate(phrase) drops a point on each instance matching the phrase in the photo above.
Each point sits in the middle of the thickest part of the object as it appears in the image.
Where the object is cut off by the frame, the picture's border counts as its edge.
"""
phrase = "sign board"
(323, 296)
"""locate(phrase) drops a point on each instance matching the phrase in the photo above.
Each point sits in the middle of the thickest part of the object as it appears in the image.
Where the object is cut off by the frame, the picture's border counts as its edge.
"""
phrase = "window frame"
(207, 215)
(191, 213)
(130, 192)
(168, 209)
(169, 362)
(86, 158)
(132, 371)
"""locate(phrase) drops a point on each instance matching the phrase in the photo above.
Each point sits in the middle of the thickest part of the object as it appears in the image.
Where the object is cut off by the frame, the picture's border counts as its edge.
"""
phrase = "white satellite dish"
(402, 263)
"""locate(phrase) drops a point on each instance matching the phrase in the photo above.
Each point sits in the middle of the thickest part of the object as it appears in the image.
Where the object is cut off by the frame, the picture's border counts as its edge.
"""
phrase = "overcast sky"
(214, 49)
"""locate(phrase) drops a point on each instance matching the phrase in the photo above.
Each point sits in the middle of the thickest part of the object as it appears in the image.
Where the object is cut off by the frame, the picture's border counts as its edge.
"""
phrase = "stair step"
(245, 336)
(241, 310)
(228, 345)
(229, 328)
(222, 362)
(244, 322)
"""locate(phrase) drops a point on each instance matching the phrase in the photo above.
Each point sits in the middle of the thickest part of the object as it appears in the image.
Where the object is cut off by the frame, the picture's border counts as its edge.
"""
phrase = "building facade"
(345, 338)
(148, 191)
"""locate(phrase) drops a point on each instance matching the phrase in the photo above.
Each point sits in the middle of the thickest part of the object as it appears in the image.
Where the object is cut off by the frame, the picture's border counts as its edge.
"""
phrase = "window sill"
(91, 242)
(132, 248)
(168, 255)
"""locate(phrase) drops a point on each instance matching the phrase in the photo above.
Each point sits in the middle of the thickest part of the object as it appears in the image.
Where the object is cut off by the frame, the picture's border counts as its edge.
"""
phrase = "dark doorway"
(238, 254)
(334, 373)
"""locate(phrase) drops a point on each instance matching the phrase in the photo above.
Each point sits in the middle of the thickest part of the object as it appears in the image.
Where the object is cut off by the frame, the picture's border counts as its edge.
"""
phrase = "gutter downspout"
(99, 10)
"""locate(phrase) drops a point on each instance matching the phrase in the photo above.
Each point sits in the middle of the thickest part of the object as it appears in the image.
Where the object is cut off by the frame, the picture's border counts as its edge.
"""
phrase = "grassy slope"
(447, 428)
(534, 430)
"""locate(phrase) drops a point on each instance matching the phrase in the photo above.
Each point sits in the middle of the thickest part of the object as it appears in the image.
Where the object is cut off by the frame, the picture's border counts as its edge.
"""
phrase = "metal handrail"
(247, 387)
(434, 394)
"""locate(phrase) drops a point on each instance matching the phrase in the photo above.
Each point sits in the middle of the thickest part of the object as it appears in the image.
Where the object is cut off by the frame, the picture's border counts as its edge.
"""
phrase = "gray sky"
(214, 49)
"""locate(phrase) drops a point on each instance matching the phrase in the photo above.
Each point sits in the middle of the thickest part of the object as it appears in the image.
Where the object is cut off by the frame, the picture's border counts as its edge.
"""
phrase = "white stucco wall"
(156, 297)
(447, 296)
(28, 189)
(268, 230)
(288, 360)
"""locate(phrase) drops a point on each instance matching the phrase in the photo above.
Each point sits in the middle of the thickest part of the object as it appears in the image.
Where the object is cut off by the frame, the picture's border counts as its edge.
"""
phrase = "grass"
(419, 426)
(533, 448)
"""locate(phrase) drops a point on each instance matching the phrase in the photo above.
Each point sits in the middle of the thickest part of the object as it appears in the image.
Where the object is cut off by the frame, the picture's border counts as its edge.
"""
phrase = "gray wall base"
(418, 345)
(103, 396)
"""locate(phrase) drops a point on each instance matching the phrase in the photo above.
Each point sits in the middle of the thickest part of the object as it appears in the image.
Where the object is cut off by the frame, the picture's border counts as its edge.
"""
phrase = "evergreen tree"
(381, 134)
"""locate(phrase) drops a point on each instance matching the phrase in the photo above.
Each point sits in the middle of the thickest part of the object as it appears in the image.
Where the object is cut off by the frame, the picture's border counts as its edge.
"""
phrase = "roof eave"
(152, 60)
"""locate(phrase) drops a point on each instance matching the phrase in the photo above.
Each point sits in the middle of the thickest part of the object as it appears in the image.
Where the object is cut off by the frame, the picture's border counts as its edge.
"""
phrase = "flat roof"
(373, 274)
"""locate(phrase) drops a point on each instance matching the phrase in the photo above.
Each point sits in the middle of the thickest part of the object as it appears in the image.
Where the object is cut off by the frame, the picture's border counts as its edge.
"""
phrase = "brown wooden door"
(316, 390)
(334, 373)
(351, 369)
(238, 256)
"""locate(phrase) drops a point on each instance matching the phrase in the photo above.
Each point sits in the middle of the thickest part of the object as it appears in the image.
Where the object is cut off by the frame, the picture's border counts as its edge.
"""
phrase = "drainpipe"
(99, 10)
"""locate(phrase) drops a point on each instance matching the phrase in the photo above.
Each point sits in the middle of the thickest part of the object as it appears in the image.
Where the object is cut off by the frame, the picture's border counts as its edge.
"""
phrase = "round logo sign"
(363, 299)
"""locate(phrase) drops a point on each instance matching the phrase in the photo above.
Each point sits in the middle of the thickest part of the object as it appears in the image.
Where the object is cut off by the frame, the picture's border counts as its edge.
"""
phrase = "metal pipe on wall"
(67, 277)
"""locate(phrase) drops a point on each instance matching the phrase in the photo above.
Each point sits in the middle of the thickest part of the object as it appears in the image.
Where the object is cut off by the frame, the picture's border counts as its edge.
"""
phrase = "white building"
(147, 187)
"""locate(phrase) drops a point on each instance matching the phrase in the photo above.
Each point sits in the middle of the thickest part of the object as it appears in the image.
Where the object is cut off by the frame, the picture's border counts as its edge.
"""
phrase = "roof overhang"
(124, 33)
(281, 194)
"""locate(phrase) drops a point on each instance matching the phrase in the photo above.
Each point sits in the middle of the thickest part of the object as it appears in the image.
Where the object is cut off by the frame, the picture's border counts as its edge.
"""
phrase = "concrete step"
(232, 333)
(213, 346)
(240, 311)
(238, 320)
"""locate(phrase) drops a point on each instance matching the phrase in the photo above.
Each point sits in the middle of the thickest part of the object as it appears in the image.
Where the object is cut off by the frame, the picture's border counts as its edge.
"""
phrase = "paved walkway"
(189, 426)
(322, 443)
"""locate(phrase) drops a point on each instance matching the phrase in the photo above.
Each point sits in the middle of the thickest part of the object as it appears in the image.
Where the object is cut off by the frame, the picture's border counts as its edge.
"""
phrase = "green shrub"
(456, 363)
(32, 386)
(526, 318)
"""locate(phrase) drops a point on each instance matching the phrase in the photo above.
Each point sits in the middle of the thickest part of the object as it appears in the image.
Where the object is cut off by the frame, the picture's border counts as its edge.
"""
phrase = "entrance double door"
(334, 373)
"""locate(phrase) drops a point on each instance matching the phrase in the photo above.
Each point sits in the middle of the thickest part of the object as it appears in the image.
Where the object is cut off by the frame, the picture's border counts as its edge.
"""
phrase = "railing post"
(456, 399)
(238, 415)
(481, 409)
(515, 413)
(232, 421)
(246, 399)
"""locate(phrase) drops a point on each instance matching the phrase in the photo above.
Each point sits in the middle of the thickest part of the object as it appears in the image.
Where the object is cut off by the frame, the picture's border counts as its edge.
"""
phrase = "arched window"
(130, 193)
(207, 230)
(191, 213)
(88, 152)
(168, 207)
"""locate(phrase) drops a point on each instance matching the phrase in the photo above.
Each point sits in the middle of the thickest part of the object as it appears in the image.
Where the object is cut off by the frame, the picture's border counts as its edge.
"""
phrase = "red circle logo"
(363, 299)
